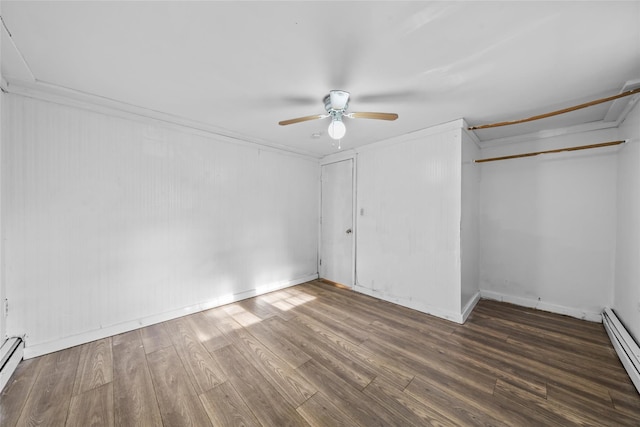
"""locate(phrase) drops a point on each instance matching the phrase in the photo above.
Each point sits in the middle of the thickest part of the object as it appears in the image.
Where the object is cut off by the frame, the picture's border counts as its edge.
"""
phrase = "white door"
(336, 241)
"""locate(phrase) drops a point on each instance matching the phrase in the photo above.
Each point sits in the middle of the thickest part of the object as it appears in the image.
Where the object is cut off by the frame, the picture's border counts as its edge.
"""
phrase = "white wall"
(3, 329)
(112, 223)
(626, 299)
(469, 223)
(408, 219)
(547, 225)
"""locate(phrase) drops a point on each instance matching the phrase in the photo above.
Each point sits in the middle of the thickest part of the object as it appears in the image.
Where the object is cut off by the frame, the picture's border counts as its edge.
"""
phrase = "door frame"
(341, 157)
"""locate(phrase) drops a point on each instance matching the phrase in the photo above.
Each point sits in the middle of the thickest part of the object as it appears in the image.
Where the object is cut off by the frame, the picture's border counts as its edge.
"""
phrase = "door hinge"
(6, 307)
(320, 262)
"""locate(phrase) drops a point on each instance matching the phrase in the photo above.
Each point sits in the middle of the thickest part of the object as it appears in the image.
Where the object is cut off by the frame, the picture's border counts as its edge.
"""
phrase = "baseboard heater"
(624, 344)
(11, 354)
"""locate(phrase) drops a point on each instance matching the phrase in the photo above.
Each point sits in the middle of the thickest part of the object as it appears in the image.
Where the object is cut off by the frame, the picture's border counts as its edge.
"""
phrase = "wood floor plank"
(155, 337)
(207, 333)
(594, 341)
(390, 371)
(258, 308)
(203, 369)
(319, 411)
(279, 344)
(267, 404)
(575, 360)
(405, 406)
(352, 371)
(527, 317)
(351, 401)
(540, 410)
(532, 364)
(225, 407)
(425, 359)
(291, 385)
(344, 329)
(483, 408)
(450, 407)
(48, 402)
(134, 397)
(280, 302)
(178, 402)
(96, 366)
(626, 403)
(92, 408)
(594, 411)
(294, 388)
(241, 315)
(15, 393)
(383, 310)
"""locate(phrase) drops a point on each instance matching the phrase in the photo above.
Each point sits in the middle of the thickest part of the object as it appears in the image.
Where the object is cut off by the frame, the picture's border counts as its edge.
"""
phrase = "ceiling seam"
(13, 43)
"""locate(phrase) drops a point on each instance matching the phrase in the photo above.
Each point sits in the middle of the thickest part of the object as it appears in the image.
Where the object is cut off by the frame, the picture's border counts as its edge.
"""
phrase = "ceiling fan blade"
(302, 119)
(376, 116)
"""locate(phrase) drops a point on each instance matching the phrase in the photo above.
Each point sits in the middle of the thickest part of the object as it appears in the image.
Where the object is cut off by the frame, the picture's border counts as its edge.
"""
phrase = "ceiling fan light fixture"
(337, 129)
(339, 99)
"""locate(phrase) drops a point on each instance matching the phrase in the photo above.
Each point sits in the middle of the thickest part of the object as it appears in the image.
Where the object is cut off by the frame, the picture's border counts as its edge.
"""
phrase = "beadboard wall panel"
(626, 297)
(469, 244)
(408, 211)
(3, 289)
(108, 220)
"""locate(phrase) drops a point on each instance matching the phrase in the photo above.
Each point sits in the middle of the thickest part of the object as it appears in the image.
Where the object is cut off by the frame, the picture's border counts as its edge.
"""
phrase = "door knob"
(348, 231)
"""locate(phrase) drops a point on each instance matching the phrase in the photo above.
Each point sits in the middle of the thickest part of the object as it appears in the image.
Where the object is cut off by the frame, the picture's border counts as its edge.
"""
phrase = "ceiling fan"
(336, 104)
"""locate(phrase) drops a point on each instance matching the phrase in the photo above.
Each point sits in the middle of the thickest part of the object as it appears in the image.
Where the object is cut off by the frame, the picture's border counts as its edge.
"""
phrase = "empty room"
(319, 213)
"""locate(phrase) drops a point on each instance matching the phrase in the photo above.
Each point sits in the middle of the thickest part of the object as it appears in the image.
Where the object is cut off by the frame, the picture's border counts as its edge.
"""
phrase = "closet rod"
(559, 150)
(555, 113)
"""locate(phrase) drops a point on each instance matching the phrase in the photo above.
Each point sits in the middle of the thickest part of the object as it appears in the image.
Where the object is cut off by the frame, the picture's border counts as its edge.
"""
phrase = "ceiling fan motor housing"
(337, 100)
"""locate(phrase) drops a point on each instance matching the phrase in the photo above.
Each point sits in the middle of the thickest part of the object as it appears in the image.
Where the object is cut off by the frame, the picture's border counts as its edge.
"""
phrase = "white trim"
(354, 219)
(338, 157)
(625, 346)
(71, 98)
(85, 337)
(578, 313)
(18, 51)
(473, 136)
(412, 304)
(468, 308)
(12, 363)
(628, 102)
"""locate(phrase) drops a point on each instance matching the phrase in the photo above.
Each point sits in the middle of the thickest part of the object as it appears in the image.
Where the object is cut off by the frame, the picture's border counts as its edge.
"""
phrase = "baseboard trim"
(591, 316)
(412, 304)
(466, 311)
(31, 351)
(624, 344)
(11, 354)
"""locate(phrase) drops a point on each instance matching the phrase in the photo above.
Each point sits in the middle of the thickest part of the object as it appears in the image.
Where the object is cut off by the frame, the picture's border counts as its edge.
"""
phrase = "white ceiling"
(240, 67)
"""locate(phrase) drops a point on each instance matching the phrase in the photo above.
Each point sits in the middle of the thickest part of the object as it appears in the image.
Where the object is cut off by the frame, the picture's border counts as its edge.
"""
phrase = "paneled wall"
(408, 219)
(3, 329)
(111, 223)
(469, 236)
(626, 299)
(548, 225)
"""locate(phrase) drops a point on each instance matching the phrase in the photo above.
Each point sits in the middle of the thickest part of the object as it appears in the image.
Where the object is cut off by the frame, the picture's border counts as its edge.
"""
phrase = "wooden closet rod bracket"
(559, 150)
(555, 113)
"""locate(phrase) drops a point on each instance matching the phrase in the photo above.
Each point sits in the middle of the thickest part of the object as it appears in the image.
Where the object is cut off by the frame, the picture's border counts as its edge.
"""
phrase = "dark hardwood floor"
(320, 355)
